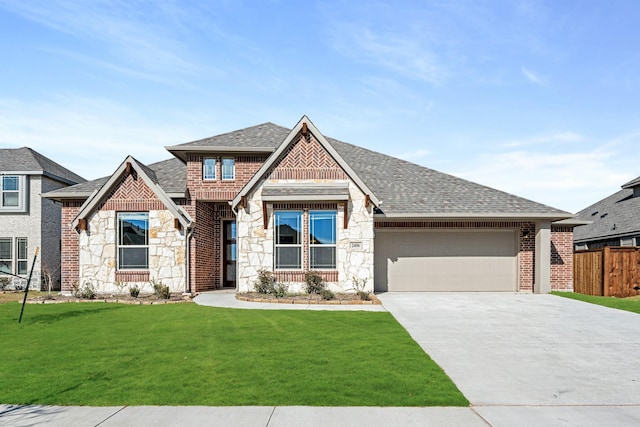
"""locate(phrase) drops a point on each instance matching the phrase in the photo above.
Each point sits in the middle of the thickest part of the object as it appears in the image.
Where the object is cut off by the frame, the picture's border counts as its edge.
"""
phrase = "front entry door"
(229, 255)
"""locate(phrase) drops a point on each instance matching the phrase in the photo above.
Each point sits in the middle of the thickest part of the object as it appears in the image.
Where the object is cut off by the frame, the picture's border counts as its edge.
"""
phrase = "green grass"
(628, 304)
(185, 354)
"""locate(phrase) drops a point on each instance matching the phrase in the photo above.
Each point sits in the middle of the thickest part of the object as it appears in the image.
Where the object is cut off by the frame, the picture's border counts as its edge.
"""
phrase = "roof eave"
(553, 217)
(181, 152)
(40, 172)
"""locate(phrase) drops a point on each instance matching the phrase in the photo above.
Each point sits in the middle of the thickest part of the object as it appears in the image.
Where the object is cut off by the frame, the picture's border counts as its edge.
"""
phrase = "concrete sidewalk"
(294, 416)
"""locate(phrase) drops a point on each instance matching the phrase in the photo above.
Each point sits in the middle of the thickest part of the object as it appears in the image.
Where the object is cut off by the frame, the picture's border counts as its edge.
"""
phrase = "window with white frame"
(626, 241)
(288, 240)
(322, 240)
(12, 193)
(209, 169)
(21, 252)
(228, 169)
(133, 240)
(6, 255)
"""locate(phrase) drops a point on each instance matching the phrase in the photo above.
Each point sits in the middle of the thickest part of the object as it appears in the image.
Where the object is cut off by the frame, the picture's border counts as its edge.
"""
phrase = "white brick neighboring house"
(28, 221)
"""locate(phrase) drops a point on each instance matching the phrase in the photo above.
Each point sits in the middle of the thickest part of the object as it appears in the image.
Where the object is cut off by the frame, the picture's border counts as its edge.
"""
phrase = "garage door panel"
(446, 261)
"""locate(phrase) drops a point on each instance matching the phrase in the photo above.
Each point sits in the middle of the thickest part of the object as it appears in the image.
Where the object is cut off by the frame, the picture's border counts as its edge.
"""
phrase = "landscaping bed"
(339, 298)
(111, 298)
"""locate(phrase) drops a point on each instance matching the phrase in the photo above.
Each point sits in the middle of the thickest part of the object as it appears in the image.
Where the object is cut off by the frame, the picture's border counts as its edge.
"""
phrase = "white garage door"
(469, 260)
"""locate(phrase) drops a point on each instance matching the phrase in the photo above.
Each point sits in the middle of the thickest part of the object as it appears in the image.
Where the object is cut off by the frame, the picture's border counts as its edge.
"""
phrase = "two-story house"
(26, 220)
(291, 201)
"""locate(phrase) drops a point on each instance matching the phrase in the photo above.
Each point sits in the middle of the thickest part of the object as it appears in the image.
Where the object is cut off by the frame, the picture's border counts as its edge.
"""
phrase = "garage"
(446, 260)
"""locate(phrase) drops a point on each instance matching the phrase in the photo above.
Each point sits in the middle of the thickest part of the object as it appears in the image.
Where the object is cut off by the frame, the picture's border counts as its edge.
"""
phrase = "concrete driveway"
(524, 349)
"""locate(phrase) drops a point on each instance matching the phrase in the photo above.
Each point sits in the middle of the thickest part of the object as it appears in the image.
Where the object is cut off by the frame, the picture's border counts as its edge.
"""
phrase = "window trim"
(233, 169)
(299, 245)
(325, 245)
(22, 191)
(25, 260)
(119, 245)
(204, 169)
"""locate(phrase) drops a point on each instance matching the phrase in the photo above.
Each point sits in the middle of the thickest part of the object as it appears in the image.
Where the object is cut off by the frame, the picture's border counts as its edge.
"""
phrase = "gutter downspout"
(187, 281)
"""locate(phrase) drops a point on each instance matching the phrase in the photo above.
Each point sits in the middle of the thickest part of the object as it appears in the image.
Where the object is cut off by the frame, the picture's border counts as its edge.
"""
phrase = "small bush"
(265, 283)
(120, 286)
(134, 291)
(160, 289)
(326, 294)
(88, 291)
(314, 283)
(280, 290)
(364, 296)
(4, 283)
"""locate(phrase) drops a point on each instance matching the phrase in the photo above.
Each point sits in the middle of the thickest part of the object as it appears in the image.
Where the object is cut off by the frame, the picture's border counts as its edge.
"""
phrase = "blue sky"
(537, 98)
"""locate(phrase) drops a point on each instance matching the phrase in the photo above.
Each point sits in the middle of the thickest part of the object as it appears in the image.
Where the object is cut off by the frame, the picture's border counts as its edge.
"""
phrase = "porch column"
(542, 259)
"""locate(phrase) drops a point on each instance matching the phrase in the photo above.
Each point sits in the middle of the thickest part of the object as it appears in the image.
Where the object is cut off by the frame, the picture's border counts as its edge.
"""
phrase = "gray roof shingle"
(613, 216)
(26, 159)
(404, 187)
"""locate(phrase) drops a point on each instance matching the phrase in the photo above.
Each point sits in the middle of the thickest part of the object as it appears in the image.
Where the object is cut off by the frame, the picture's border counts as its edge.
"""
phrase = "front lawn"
(628, 304)
(185, 354)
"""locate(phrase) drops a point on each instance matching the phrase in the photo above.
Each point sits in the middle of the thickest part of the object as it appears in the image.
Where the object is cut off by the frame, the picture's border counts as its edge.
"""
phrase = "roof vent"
(603, 215)
(595, 213)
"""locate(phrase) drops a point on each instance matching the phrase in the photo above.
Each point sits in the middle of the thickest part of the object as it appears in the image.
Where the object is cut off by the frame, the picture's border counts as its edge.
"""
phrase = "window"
(21, 243)
(228, 169)
(291, 244)
(6, 257)
(322, 240)
(12, 189)
(288, 240)
(209, 169)
(626, 241)
(133, 240)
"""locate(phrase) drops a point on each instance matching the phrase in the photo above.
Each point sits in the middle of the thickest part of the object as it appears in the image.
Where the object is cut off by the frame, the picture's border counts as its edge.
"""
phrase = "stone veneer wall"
(97, 253)
(255, 244)
(561, 258)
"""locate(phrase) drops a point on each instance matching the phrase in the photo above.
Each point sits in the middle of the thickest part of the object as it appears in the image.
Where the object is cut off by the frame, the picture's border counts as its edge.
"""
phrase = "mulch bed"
(347, 299)
(146, 299)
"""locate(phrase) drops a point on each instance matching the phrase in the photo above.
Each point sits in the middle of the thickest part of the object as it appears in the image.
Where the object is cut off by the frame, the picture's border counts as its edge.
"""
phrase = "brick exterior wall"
(306, 159)
(561, 258)
(526, 245)
(69, 269)
(218, 190)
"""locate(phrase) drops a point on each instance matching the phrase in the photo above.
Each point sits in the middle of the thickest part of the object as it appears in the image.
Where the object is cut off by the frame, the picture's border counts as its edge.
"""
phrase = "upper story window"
(228, 169)
(12, 193)
(209, 169)
(133, 240)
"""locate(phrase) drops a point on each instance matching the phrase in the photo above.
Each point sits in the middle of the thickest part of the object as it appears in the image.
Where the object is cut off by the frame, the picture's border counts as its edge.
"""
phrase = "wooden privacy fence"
(610, 271)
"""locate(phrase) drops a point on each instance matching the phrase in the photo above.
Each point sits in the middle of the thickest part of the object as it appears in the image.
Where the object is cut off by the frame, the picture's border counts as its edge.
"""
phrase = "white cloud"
(533, 77)
(560, 137)
(566, 180)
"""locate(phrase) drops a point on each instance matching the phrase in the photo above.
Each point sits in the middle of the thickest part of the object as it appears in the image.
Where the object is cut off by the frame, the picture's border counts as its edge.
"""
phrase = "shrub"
(88, 291)
(120, 285)
(280, 290)
(326, 294)
(265, 283)
(160, 289)
(134, 291)
(363, 295)
(358, 286)
(4, 283)
(314, 283)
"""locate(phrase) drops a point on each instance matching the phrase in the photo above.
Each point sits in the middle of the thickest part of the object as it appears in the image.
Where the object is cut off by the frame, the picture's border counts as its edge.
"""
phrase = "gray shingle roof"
(632, 183)
(405, 188)
(170, 174)
(26, 159)
(620, 209)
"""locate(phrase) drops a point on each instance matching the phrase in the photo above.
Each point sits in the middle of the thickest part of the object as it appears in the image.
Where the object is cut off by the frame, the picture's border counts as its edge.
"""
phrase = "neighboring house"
(613, 221)
(26, 220)
(292, 200)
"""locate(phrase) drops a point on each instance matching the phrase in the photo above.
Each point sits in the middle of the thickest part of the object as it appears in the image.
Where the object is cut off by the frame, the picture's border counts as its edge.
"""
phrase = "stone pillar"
(542, 274)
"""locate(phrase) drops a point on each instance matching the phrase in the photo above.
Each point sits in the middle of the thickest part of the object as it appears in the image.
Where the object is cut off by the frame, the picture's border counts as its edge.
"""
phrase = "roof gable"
(303, 127)
(614, 216)
(126, 167)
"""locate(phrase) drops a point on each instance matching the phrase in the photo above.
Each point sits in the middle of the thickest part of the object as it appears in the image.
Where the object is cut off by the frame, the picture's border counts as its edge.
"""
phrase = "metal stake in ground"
(26, 290)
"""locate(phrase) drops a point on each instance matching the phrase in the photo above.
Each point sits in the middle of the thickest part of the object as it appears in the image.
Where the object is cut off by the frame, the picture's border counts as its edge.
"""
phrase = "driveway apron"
(525, 349)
